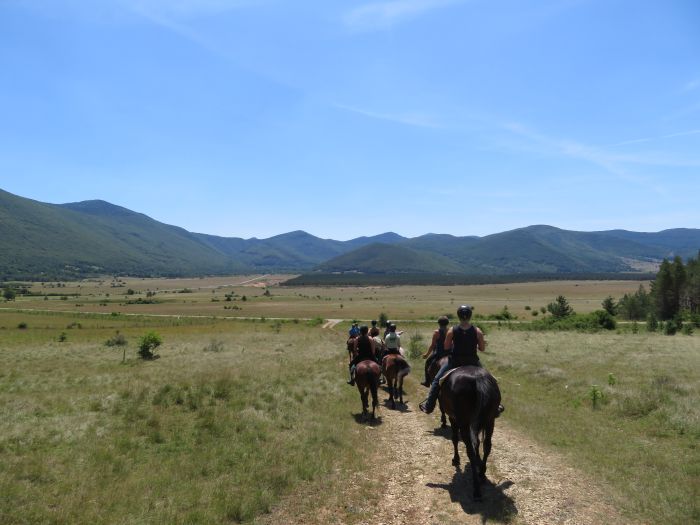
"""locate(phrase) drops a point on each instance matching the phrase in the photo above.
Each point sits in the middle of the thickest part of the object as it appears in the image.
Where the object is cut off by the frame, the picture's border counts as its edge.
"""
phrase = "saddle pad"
(442, 379)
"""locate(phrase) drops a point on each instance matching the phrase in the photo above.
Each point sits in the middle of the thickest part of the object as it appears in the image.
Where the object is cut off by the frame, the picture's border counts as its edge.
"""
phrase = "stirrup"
(423, 405)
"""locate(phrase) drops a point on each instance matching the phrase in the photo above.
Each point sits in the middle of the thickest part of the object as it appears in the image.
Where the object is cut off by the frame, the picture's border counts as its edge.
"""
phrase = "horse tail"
(373, 386)
(404, 369)
(488, 399)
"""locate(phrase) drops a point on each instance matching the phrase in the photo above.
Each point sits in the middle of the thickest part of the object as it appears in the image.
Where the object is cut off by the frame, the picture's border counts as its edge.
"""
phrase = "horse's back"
(367, 367)
(471, 389)
(393, 363)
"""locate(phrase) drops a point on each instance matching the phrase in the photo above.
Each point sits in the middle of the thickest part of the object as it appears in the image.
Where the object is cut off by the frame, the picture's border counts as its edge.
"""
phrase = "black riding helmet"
(464, 312)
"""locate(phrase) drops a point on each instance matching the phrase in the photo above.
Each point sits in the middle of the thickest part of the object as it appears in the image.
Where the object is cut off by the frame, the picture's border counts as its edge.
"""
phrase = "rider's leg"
(428, 405)
(428, 362)
(352, 375)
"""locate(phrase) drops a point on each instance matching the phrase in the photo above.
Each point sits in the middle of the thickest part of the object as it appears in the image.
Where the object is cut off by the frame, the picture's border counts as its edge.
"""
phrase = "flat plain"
(262, 296)
(249, 419)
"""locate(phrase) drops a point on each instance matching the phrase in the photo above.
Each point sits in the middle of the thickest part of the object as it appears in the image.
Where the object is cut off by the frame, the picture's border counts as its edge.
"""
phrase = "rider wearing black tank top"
(464, 346)
(464, 340)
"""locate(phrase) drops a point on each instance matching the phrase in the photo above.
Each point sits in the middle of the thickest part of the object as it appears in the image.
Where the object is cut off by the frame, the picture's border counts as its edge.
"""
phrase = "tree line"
(674, 295)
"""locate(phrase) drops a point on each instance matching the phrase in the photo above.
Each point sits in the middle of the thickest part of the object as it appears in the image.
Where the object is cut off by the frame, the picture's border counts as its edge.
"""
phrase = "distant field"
(260, 296)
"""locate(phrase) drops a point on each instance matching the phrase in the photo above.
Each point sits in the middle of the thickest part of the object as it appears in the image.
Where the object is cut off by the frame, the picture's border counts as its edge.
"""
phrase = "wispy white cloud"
(661, 137)
(615, 164)
(383, 15)
(408, 119)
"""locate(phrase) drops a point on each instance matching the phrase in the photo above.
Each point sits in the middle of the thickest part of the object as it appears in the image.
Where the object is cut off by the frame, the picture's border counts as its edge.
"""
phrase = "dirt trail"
(527, 485)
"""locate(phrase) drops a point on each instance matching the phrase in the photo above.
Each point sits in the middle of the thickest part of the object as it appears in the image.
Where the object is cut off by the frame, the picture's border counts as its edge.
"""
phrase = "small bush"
(148, 343)
(116, 340)
(687, 329)
(415, 345)
(596, 395)
(316, 321)
(670, 328)
(214, 346)
(652, 323)
(63, 337)
(22, 325)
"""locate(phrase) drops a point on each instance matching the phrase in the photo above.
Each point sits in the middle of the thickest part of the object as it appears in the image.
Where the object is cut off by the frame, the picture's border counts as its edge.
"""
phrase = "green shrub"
(652, 323)
(148, 343)
(214, 346)
(22, 325)
(63, 337)
(687, 329)
(116, 340)
(316, 321)
(415, 345)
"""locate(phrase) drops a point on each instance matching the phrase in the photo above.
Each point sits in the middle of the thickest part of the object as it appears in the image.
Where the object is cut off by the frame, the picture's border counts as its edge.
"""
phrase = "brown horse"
(351, 347)
(471, 398)
(433, 369)
(395, 368)
(367, 379)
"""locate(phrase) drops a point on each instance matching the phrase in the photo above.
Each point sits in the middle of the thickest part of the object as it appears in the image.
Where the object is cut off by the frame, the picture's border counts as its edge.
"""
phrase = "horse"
(433, 369)
(351, 347)
(367, 379)
(395, 368)
(471, 398)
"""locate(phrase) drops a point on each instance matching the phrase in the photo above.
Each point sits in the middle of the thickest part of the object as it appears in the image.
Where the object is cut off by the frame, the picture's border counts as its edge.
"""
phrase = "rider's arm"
(433, 343)
(373, 345)
(480, 342)
(448, 340)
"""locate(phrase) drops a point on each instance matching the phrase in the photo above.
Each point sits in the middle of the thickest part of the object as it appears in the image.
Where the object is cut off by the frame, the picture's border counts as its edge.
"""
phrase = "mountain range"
(50, 241)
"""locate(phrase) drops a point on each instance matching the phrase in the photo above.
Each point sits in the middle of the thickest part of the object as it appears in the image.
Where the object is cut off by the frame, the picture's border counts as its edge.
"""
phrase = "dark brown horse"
(395, 368)
(471, 398)
(433, 369)
(367, 379)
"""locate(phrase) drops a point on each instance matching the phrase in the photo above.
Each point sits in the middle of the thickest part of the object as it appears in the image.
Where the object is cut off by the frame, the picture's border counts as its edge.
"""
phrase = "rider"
(464, 340)
(392, 340)
(363, 350)
(436, 350)
(354, 330)
(374, 331)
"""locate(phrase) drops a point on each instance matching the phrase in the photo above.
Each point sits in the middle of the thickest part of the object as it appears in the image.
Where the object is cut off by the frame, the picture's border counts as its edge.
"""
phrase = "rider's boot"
(428, 405)
(352, 376)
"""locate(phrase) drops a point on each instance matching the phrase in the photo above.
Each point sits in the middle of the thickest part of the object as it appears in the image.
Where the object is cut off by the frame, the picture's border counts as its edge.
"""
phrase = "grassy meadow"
(231, 417)
(237, 414)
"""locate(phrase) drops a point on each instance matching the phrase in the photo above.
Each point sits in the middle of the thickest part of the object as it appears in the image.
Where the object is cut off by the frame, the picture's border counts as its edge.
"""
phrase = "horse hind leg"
(469, 437)
(488, 433)
(400, 387)
(375, 402)
(455, 443)
(443, 417)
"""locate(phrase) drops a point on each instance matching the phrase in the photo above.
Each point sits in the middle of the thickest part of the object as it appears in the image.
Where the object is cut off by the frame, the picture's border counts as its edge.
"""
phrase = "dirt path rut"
(527, 485)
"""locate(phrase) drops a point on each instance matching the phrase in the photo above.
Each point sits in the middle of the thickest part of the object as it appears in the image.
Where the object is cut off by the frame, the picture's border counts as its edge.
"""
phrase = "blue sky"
(345, 118)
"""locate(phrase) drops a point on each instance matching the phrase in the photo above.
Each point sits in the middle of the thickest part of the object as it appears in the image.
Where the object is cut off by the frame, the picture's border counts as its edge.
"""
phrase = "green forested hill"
(39, 240)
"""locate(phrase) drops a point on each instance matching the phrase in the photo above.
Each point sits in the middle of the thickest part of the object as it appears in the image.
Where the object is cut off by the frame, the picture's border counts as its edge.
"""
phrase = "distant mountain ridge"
(50, 241)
